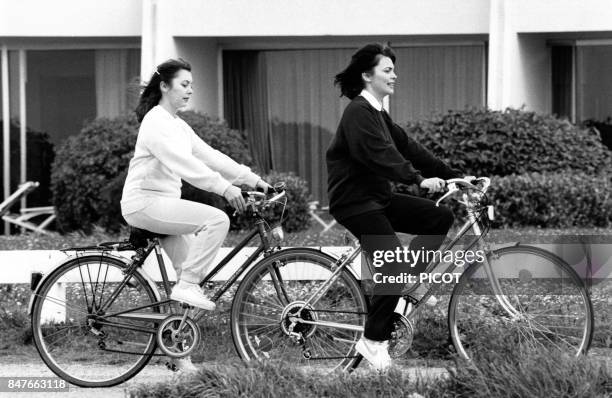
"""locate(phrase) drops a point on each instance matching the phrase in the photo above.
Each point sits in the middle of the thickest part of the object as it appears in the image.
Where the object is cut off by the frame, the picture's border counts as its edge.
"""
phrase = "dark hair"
(151, 94)
(364, 60)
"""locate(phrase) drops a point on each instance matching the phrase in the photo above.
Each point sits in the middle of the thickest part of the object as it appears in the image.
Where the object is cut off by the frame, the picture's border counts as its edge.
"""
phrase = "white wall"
(201, 53)
(28, 18)
(519, 65)
(532, 73)
(325, 17)
(561, 15)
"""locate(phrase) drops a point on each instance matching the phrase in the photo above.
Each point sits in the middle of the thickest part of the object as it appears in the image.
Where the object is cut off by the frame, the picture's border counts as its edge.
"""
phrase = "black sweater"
(366, 154)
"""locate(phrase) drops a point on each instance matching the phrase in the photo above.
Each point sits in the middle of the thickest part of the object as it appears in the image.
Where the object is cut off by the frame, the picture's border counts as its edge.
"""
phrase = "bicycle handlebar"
(457, 184)
(257, 199)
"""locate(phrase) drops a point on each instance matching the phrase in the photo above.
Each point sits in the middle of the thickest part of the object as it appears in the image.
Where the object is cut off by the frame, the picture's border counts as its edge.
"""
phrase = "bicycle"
(100, 309)
(518, 297)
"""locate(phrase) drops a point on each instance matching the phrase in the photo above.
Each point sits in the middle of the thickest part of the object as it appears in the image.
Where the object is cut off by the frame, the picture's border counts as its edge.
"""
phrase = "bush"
(297, 216)
(551, 200)
(514, 141)
(604, 127)
(86, 167)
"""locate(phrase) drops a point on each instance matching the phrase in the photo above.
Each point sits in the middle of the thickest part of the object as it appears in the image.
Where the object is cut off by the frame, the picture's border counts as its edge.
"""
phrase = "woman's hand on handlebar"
(433, 185)
(234, 196)
(264, 186)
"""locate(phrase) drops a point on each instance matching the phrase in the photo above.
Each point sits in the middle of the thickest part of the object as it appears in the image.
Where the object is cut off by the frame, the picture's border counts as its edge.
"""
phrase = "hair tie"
(157, 72)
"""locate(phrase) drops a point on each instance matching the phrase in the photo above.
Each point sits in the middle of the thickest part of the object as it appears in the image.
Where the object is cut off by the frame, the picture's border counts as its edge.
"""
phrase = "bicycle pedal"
(172, 366)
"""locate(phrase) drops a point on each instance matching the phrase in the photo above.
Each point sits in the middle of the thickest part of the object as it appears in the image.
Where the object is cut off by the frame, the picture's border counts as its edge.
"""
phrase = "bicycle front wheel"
(544, 305)
(72, 333)
(271, 319)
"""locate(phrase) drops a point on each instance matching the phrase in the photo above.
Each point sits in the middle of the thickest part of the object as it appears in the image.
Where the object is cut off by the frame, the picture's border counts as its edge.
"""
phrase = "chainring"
(178, 343)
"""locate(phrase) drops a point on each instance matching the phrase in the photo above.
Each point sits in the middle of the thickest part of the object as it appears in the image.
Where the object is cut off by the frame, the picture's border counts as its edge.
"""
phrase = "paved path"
(151, 374)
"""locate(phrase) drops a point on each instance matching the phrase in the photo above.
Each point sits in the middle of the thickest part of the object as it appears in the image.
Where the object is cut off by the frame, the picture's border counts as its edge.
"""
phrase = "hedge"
(84, 174)
(486, 143)
(297, 213)
(552, 200)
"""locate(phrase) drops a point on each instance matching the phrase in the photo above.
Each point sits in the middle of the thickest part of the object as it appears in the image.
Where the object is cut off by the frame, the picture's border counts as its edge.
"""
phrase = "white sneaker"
(191, 293)
(183, 364)
(375, 352)
(418, 293)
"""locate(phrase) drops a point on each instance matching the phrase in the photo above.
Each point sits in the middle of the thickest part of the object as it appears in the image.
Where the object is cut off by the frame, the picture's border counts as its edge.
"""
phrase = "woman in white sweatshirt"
(168, 150)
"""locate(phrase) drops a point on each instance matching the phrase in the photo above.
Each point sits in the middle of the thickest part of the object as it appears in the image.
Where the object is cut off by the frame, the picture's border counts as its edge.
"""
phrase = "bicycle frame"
(154, 245)
(345, 260)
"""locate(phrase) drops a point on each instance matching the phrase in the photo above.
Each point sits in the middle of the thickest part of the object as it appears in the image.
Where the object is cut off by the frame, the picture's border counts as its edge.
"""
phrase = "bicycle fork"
(501, 298)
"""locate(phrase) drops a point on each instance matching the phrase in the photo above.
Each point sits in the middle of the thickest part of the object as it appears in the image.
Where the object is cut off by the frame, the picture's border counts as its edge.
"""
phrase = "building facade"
(267, 66)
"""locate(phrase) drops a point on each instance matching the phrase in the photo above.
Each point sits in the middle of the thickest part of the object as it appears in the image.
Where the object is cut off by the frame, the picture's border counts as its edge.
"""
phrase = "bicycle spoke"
(292, 285)
(560, 322)
(73, 351)
(273, 304)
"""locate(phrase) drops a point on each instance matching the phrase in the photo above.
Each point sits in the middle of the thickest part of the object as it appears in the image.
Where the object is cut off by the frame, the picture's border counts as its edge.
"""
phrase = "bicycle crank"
(178, 336)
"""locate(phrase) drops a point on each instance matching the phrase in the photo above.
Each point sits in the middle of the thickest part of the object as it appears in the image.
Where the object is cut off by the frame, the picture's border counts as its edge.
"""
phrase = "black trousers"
(407, 214)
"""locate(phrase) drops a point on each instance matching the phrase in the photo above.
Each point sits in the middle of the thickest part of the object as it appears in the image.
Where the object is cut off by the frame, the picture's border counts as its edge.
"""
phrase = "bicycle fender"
(81, 257)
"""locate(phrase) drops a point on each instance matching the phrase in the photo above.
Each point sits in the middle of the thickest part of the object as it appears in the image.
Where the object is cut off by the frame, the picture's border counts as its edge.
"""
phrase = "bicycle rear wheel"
(275, 290)
(553, 310)
(73, 341)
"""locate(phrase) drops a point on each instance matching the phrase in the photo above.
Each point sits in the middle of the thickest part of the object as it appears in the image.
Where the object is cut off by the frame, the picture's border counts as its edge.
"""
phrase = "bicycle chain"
(342, 312)
(102, 346)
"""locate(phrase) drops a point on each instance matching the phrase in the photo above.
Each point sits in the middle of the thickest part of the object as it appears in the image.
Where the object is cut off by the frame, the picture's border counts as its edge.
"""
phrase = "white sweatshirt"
(167, 149)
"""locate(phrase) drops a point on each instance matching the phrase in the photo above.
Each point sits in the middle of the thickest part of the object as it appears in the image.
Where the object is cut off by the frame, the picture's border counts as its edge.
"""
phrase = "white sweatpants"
(197, 232)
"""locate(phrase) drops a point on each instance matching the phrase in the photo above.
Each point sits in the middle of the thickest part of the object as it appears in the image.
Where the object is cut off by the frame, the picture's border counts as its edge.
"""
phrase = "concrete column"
(147, 51)
(157, 41)
(500, 37)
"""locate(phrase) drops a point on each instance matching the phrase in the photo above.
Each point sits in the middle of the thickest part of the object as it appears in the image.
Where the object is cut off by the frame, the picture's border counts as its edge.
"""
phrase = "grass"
(532, 374)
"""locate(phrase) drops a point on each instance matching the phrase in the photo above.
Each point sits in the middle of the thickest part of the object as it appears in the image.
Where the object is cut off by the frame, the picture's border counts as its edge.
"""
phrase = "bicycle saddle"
(139, 237)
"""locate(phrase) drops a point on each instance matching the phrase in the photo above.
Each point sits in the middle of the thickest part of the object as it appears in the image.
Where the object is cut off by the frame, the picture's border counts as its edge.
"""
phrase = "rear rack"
(104, 246)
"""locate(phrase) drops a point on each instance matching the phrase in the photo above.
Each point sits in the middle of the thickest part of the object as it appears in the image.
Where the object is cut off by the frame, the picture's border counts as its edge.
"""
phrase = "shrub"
(297, 216)
(604, 127)
(551, 200)
(486, 143)
(86, 167)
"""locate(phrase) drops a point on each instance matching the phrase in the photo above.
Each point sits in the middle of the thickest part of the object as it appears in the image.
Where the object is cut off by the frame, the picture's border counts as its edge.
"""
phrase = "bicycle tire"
(62, 336)
(256, 300)
(532, 279)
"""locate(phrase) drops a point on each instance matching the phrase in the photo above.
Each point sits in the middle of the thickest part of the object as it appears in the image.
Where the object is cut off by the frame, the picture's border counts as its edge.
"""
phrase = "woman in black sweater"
(366, 154)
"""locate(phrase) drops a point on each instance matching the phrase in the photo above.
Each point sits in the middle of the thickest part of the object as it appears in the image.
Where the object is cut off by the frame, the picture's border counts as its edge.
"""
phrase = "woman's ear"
(163, 86)
(366, 76)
